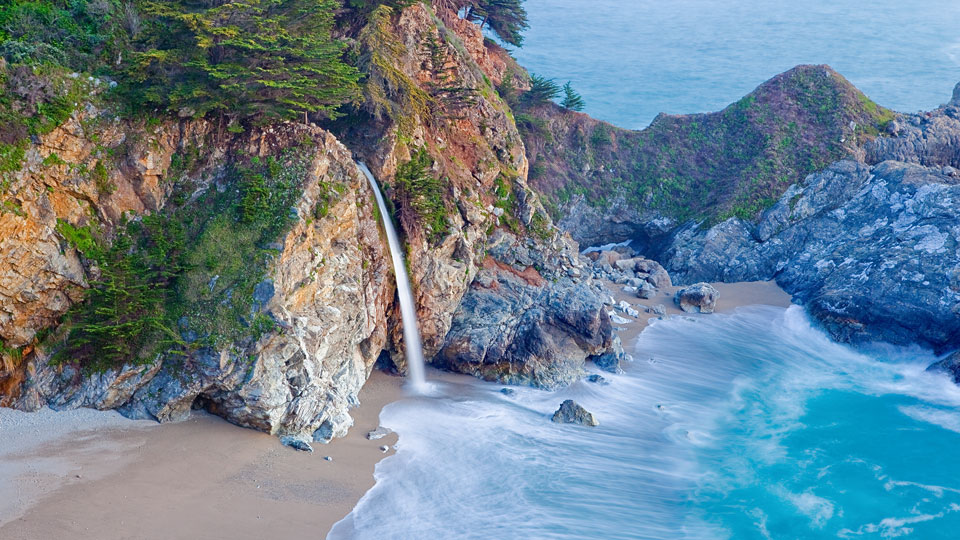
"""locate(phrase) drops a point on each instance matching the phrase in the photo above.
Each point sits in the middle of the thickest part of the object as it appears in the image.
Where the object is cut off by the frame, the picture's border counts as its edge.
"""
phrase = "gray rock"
(508, 391)
(570, 412)
(611, 360)
(949, 365)
(598, 379)
(646, 291)
(379, 433)
(529, 327)
(296, 443)
(698, 298)
(873, 252)
(659, 309)
(262, 293)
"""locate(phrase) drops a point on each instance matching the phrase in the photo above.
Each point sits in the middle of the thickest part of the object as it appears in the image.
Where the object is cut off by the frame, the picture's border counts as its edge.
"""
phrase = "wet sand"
(104, 477)
(732, 296)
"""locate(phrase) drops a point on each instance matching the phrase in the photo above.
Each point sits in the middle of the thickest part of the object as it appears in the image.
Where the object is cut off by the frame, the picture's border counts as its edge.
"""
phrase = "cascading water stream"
(411, 331)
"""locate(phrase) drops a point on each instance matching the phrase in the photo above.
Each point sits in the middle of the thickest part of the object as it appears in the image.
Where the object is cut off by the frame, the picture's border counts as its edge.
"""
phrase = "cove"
(748, 425)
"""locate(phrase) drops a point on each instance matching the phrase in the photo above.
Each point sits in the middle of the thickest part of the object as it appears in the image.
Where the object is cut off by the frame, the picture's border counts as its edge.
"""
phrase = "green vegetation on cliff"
(421, 197)
(258, 59)
(185, 278)
(735, 162)
(262, 59)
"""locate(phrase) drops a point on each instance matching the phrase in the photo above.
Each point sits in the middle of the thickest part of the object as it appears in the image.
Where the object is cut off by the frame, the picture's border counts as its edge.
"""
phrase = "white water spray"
(408, 315)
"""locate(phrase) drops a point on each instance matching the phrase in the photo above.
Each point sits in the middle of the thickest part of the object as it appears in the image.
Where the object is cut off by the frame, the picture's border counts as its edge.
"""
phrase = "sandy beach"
(95, 475)
(732, 296)
(92, 475)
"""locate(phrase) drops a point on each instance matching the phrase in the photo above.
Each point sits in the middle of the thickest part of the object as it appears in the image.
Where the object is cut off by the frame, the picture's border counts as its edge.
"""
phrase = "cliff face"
(277, 291)
(475, 147)
(326, 289)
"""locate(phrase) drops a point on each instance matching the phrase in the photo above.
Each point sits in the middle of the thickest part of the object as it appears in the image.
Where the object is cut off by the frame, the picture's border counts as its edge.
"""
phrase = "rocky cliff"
(870, 247)
(246, 265)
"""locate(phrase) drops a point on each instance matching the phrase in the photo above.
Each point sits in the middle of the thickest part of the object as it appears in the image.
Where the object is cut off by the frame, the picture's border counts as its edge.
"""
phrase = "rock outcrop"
(608, 184)
(526, 320)
(872, 251)
(949, 365)
(501, 255)
(697, 298)
(867, 241)
(571, 412)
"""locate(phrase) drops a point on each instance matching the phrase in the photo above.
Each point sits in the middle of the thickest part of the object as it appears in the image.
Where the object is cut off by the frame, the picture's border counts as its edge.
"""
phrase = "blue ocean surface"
(632, 59)
(751, 425)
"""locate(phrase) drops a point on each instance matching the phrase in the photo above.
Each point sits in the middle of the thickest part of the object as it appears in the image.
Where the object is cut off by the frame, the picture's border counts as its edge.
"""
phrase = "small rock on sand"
(379, 433)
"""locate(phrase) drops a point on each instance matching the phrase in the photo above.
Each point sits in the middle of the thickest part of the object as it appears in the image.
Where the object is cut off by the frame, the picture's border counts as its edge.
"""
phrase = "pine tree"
(571, 99)
(261, 59)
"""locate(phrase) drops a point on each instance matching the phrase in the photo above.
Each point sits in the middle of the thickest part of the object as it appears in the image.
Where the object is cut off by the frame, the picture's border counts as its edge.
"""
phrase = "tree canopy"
(262, 59)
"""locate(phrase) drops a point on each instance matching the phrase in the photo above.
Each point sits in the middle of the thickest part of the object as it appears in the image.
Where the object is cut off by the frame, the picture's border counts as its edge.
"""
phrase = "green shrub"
(422, 195)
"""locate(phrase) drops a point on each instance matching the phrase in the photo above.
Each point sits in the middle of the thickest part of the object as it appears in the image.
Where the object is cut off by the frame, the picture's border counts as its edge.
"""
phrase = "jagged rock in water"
(698, 298)
(949, 365)
(611, 360)
(571, 412)
(598, 379)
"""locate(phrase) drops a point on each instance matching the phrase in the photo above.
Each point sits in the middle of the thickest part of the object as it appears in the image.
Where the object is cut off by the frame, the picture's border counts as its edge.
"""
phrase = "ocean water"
(752, 425)
(632, 59)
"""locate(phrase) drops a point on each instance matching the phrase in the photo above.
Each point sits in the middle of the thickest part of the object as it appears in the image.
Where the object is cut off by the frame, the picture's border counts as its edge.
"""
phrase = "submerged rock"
(595, 378)
(699, 298)
(571, 412)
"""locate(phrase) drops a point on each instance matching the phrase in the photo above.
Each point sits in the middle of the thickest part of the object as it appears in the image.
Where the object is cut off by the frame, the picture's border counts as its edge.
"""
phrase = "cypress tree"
(572, 99)
(261, 59)
(507, 18)
(541, 91)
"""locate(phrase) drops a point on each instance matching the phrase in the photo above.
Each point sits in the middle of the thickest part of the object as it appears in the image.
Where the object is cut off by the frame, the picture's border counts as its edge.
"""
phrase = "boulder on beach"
(646, 291)
(571, 412)
(699, 298)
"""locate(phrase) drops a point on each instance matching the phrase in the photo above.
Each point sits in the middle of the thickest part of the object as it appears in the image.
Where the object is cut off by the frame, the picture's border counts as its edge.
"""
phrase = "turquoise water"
(742, 426)
(632, 59)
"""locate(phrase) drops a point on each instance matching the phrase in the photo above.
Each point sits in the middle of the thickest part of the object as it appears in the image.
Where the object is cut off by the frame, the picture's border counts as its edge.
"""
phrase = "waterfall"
(411, 332)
